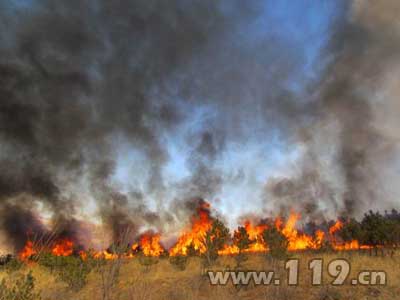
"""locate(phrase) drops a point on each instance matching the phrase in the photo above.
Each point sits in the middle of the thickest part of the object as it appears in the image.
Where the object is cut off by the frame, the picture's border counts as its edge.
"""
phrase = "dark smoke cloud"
(363, 54)
(347, 150)
(20, 223)
(80, 79)
(74, 77)
(205, 179)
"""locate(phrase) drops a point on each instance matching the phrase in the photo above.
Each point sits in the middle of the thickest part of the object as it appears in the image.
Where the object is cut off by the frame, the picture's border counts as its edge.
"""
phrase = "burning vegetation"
(208, 236)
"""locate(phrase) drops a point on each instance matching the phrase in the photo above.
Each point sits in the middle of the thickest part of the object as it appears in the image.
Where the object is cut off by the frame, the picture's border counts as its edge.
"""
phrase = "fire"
(256, 241)
(297, 241)
(344, 246)
(28, 251)
(353, 245)
(278, 223)
(135, 247)
(83, 255)
(195, 237)
(319, 238)
(150, 245)
(338, 225)
(63, 248)
(229, 250)
(105, 255)
(255, 236)
(254, 231)
(300, 241)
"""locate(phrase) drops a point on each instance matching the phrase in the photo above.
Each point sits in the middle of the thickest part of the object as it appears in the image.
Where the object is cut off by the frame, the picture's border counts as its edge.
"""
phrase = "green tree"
(277, 243)
(214, 240)
(242, 241)
(393, 219)
(351, 230)
(375, 229)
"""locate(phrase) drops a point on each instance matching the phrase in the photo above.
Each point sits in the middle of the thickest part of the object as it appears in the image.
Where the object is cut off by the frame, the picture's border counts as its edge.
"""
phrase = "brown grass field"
(164, 281)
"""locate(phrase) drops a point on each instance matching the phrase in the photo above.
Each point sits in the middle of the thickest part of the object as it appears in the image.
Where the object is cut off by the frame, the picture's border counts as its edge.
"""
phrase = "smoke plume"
(86, 86)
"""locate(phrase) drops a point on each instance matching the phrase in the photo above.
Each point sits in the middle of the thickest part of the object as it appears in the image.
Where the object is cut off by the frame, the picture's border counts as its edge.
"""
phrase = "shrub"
(277, 243)
(215, 240)
(147, 261)
(351, 230)
(326, 246)
(376, 230)
(11, 264)
(21, 289)
(70, 269)
(179, 262)
(74, 273)
(4, 259)
(241, 239)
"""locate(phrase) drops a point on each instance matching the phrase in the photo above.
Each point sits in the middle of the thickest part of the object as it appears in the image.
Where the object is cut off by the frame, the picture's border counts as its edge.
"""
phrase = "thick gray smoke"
(79, 81)
(350, 149)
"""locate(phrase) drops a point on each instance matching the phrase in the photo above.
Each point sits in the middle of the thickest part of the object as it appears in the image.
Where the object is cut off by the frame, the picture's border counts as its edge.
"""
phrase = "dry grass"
(163, 281)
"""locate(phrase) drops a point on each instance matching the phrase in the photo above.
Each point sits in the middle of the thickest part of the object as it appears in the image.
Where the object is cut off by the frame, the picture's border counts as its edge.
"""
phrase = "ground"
(158, 279)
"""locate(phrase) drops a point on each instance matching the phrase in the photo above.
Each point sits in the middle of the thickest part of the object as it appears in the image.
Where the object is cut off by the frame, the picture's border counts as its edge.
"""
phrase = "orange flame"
(150, 245)
(344, 246)
(105, 255)
(338, 225)
(195, 237)
(256, 241)
(255, 235)
(300, 241)
(28, 251)
(63, 248)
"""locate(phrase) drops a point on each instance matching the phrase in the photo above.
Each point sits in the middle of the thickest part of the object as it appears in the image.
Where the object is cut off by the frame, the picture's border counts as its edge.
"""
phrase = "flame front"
(338, 225)
(63, 247)
(28, 251)
(300, 241)
(150, 245)
(194, 238)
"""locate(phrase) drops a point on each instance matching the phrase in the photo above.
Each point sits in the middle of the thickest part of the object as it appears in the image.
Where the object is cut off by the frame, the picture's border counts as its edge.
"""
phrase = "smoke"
(348, 150)
(205, 179)
(20, 222)
(80, 82)
(76, 80)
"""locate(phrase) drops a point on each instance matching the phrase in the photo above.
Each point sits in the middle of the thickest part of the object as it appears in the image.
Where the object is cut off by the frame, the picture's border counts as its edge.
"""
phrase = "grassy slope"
(164, 281)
